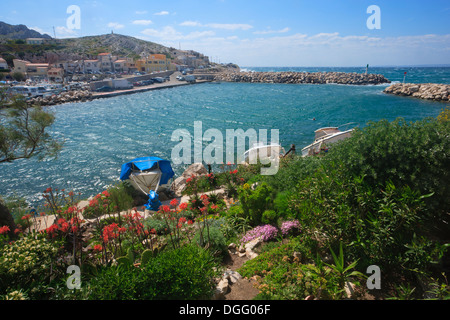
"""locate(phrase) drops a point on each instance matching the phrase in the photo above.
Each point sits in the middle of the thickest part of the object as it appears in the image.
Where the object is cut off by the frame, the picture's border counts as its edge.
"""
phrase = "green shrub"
(407, 154)
(255, 202)
(27, 264)
(186, 273)
(215, 240)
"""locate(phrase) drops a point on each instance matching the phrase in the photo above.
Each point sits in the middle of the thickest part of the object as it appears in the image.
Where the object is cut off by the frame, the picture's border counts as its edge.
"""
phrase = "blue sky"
(261, 32)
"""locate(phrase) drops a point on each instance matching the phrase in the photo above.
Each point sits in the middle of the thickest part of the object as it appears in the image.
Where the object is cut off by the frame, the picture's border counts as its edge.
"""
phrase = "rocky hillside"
(86, 48)
(116, 44)
(18, 32)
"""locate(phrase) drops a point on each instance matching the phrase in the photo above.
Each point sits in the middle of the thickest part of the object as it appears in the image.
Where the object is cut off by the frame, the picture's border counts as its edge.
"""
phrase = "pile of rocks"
(64, 97)
(303, 77)
(230, 277)
(429, 91)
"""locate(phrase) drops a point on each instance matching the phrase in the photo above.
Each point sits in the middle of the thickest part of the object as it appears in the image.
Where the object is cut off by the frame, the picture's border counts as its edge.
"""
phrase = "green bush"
(27, 264)
(215, 240)
(407, 154)
(186, 273)
(255, 202)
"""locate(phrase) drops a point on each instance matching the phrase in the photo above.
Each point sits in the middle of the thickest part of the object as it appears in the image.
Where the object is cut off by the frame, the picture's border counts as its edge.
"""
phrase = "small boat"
(259, 150)
(148, 174)
(325, 137)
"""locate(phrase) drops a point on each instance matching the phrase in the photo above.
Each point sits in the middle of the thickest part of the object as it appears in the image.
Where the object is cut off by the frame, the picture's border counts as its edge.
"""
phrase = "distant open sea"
(103, 134)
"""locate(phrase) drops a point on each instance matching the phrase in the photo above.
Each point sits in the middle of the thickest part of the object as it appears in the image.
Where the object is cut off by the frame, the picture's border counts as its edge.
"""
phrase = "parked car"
(158, 79)
(104, 89)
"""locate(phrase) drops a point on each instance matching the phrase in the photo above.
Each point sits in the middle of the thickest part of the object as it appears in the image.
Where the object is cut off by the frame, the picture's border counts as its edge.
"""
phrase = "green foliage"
(186, 273)
(146, 256)
(24, 133)
(27, 264)
(216, 241)
(255, 202)
(407, 154)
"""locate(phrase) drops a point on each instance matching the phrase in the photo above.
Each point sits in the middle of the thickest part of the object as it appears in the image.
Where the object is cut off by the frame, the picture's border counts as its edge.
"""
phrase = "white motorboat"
(324, 137)
(260, 150)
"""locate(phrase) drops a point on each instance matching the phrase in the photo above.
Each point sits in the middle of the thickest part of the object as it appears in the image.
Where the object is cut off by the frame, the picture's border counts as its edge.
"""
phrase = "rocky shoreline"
(64, 97)
(427, 91)
(303, 78)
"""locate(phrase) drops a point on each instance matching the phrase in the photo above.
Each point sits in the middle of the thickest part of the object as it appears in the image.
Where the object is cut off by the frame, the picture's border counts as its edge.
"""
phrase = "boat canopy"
(148, 164)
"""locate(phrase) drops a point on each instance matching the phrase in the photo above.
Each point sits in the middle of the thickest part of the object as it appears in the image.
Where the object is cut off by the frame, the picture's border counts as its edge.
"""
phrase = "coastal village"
(234, 233)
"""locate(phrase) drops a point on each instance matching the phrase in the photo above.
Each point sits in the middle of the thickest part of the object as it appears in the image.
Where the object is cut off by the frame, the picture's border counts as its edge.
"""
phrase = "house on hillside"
(3, 64)
(31, 70)
(56, 74)
(155, 63)
(106, 62)
(121, 65)
(91, 66)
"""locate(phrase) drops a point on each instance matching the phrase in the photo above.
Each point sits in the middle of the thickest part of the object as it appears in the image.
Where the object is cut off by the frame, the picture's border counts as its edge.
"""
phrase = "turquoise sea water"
(103, 134)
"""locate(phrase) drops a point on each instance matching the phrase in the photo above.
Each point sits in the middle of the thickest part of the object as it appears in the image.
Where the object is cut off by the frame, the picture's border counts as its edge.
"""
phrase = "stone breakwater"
(64, 97)
(303, 77)
(428, 91)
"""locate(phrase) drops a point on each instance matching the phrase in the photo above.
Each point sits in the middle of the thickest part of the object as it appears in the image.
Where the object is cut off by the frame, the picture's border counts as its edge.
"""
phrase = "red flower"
(182, 220)
(165, 208)
(190, 222)
(4, 230)
(174, 202)
(183, 206)
(48, 190)
(98, 247)
(204, 197)
(106, 193)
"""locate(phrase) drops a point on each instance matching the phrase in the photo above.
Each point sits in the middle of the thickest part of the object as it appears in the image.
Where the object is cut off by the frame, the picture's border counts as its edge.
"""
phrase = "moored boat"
(148, 174)
(324, 137)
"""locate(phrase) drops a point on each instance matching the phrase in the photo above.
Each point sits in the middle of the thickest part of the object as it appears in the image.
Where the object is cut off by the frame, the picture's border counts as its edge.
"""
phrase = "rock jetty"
(64, 97)
(303, 77)
(428, 91)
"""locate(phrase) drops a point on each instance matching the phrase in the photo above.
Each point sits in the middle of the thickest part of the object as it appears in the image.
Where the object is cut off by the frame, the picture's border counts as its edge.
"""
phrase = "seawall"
(428, 91)
(303, 78)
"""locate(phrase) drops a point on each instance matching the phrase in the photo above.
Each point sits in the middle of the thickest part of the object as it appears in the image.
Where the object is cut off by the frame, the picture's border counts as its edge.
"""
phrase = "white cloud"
(272, 31)
(162, 13)
(191, 24)
(225, 26)
(143, 22)
(324, 49)
(115, 25)
(141, 12)
(229, 26)
(63, 32)
(37, 29)
(169, 33)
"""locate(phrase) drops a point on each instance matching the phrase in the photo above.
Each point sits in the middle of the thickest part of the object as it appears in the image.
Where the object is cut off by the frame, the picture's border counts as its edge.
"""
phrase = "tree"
(23, 134)
(18, 76)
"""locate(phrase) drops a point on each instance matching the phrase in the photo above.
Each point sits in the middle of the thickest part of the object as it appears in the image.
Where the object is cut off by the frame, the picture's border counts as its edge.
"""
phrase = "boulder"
(179, 184)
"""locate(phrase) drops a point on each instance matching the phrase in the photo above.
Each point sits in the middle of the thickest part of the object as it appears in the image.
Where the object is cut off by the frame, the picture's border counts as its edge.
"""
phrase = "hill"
(84, 48)
(19, 32)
